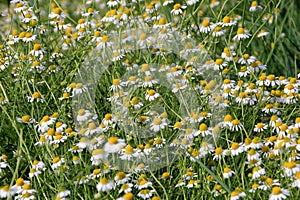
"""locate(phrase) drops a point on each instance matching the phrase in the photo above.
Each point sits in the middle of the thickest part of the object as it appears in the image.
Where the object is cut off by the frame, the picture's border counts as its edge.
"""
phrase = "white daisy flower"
(152, 95)
(241, 34)
(255, 7)
(178, 9)
(105, 185)
(227, 173)
(279, 193)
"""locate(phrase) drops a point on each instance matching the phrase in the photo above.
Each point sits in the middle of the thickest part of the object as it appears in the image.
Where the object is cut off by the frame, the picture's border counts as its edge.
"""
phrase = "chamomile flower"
(158, 124)
(113, 3)
(127, 152)
(290, 168)
(105, 185)
(203, 130)
(296, 182)
(114, 144)
(152, 95)
(236, 149)
(214, 3)
(260, 127)
(237, 194)
(115, 85)
(149, 81)
(252, 155)
(37, 51)
(218, 153)
(228, 21)
(167, 2)
(5, 191)
(255, 7)
(189, 175)
(180, 183)
(218, 32)
(57, 162)
(191, 2)
(192, 183)
(63, 193)
(241, 34)
(122, 178)
(206, 26)
(220, 64)
(126, 188)
(227, 173)
(104, 42)
(257, 172)
(235, 125)
(159, 142)
(178, 9)
(98, 156)
(108, 119)
(79, 89)
(145, 193)
(279, 193)
(57, 13)
(36, 97)
(262, 33)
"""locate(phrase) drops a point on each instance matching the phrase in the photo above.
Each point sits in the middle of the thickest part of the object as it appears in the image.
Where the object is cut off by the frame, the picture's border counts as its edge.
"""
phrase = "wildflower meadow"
(150, 99)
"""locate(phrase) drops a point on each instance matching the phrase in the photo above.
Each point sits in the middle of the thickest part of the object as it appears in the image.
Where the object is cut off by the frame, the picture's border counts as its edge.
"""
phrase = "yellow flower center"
(113, 140)
(5, 188)
(116, 81)
(254, 4)
(226, 19)
(256, 140)
(217, 29)
(290, 165)
(56, 11)
(97, 152)
(104, 181)
(104, 38)
(235, 122)
(276, 190)
(26, 118)
(177, 6)
(162, 21)
(240, 31)
(205, 22)
(218, 151)
(128, 196)
(235, 145)
(151, 92)
(158, 140)
(19, 181)
(157, 121)
(227, 170)
(143, 36)
(129, 150)
(203, 127)
(227, 118)
(108, 116)
(92, 126)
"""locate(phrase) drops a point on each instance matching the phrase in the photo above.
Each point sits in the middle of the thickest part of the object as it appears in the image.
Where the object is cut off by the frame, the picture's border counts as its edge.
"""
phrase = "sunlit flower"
(254, 6)
(178, 9)
(242, 33)
(152, 95)
(237, 194)
(227, 172)
(105, 185)
(279, 193)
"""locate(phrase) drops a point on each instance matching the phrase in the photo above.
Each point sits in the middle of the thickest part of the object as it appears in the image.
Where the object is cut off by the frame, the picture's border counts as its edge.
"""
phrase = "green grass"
(280, 54)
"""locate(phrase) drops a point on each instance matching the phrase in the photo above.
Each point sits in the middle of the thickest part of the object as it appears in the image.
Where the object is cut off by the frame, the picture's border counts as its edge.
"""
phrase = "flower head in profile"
(241, 34)
(178, 9)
